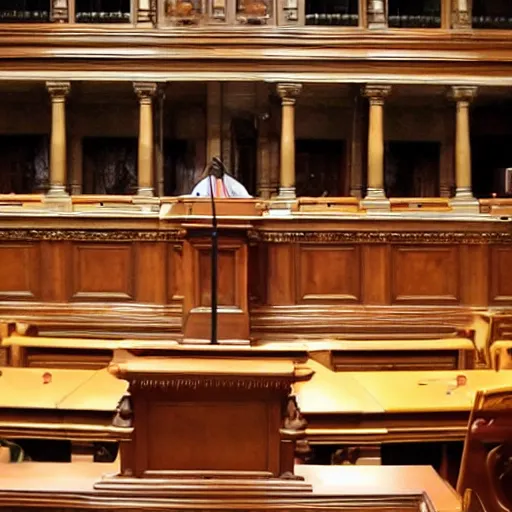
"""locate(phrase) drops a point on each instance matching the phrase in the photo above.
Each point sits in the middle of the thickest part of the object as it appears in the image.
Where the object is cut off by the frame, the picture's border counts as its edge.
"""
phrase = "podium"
(209, 421)
(233, 217)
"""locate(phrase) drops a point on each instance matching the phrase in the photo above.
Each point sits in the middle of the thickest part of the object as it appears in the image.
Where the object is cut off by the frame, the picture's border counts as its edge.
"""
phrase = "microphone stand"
(214, 261)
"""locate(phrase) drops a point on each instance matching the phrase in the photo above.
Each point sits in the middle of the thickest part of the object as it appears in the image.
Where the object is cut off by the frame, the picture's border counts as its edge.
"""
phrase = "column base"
(58, 199)
(286, 193)
(147, 204)
(464, 201)
(146, 192)
(376, 200)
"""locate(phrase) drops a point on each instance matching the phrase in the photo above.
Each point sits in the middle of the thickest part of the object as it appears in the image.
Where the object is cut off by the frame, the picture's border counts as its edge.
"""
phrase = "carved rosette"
(376, 94)
(60, 11)
(289, 93)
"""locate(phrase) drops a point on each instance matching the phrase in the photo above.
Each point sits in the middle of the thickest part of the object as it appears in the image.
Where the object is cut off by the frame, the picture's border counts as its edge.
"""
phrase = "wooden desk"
(70, 353)
(78, 405)
(65, 486)
(386, 407)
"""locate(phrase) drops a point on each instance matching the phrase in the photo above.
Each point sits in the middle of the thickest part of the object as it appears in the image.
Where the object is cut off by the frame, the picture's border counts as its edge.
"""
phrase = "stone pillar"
(58, 163)
(463, 96)
(375, 195)
(460, 14)
(288, 94)
(377, 14)
(146, 93)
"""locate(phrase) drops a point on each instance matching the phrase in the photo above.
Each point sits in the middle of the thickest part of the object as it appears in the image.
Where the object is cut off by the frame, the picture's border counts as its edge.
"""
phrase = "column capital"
(376, 93)
(289, 93)
(58, 90)
(466, 93)
(145, 91)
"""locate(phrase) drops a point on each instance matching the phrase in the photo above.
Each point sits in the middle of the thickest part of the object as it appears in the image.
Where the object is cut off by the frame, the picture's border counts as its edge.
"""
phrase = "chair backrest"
(486, 467)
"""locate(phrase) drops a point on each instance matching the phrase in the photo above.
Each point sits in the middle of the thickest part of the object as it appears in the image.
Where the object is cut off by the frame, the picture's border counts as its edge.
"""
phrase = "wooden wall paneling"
(257, 277)
(150, 272)
(376, 274)
(281, 274)
(103, 272)
(500, 269)
(175, 272)
(56, 274)
(20, 271)
(327, 274)
(427, 275)
(474, 274)
(233, 313)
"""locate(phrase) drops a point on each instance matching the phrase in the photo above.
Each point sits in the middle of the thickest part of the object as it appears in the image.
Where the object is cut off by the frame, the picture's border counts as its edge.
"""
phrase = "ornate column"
(463, 96)
(377, 14)
(146, 92)
(460, 12)
(58, 164)
(375, 195)
(288, 94)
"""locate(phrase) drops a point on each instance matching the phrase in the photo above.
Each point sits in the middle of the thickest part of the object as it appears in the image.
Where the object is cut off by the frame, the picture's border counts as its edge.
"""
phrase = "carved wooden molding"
(58, 90)
(463, 93)
(289, 93)
(380, 237)
(214, 382)
(71, 235)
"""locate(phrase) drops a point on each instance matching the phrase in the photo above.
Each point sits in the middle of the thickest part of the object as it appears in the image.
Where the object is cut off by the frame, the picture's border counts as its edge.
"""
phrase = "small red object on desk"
(47, 378)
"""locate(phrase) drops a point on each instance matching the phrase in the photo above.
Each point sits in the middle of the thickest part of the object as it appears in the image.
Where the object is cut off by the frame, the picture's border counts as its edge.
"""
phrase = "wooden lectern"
(233, 216)
(208, 421)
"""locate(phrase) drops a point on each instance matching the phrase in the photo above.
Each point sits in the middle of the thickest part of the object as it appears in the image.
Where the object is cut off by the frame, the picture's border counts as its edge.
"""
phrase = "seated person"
(216, 178)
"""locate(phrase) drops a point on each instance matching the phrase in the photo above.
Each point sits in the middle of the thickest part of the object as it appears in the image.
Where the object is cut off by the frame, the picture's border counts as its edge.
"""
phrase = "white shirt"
(233, 187)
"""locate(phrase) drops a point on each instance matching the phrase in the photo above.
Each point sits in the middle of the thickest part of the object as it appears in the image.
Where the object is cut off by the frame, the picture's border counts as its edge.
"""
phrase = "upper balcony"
(326, 14)
(352, 41)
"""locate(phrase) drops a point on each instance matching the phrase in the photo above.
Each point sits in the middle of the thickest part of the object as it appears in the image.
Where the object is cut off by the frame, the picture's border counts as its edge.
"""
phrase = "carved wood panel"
(328, 274)
(103, 272)
(20, 276)
(425, 275)
(227, 277)
(501, 274)
(190, 425)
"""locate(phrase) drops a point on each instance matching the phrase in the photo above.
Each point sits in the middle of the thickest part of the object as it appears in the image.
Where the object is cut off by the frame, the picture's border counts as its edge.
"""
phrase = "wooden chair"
(486, 467)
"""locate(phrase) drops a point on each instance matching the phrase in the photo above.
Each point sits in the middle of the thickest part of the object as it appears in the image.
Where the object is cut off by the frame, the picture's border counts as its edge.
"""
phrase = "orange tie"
(220, 189)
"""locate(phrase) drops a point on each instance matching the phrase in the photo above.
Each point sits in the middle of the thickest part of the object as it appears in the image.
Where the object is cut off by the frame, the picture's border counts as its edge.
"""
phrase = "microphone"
(216, 167)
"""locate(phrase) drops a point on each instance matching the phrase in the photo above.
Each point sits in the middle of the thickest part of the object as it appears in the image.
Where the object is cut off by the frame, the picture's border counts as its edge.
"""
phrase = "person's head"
(218, 169)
